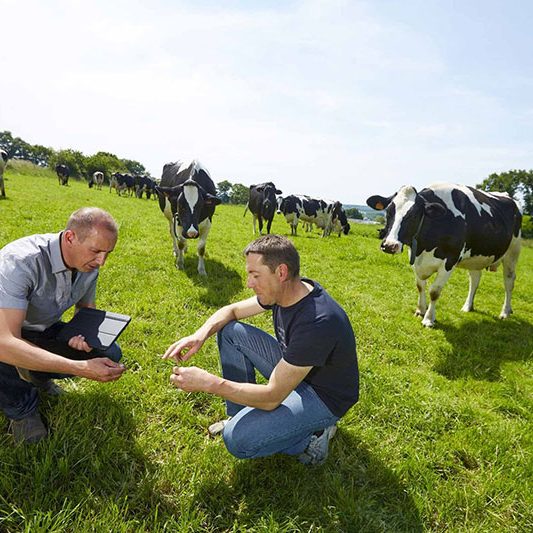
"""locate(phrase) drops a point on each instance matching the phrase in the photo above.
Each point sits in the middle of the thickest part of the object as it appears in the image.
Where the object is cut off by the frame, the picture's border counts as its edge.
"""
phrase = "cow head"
(270, 202)
(190, 204)
(339, 215)
(405, 214)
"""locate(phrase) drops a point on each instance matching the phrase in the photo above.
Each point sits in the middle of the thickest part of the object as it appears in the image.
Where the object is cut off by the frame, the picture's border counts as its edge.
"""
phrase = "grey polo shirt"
(34, 277)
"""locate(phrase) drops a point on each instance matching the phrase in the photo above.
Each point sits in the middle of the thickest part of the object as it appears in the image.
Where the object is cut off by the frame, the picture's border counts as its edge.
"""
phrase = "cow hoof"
(467, 309)
(428, 323)
(419, 313)
(504, 315)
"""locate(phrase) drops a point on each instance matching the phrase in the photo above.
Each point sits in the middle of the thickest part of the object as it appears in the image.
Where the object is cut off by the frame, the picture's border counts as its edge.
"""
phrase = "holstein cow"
(144, 184)
(262, 204)
(63, 174)
(290, 207)
(319, 212)
(121, 182)
(97, 179)
(187, 197)
(3, 162)
(340, 220)
(448, 226)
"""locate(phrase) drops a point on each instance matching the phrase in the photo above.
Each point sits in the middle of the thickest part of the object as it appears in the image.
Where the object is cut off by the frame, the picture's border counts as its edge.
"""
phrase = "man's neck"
(293, 292)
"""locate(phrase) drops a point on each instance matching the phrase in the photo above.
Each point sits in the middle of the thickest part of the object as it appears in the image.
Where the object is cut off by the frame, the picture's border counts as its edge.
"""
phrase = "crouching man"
(311, 365)
(41, 276)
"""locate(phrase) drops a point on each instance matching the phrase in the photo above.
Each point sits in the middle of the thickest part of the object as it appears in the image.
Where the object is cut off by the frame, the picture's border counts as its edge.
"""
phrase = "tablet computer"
(100, 328)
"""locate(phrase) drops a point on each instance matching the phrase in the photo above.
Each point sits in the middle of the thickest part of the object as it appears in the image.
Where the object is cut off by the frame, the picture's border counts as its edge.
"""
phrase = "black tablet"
(100, 328)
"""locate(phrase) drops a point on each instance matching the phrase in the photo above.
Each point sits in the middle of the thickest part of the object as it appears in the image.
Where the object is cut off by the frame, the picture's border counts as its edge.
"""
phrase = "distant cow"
(187, 197)
(291, 207)
(262, 204)
(448, 226)
(340, 222)
(122, 183)
(3, 162)
(319, 212)
(143, 184)
(97, 179)
(63, 174)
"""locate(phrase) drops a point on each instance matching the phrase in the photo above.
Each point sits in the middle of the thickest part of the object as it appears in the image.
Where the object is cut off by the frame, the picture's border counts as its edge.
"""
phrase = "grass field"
(440, 440)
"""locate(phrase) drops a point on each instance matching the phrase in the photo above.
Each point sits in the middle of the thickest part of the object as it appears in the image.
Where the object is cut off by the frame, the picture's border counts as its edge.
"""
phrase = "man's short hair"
(275, 250)
(85, 219)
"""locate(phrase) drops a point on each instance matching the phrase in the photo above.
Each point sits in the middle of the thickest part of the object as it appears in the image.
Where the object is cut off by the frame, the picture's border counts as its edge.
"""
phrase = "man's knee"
(227, 332)
(238, 441)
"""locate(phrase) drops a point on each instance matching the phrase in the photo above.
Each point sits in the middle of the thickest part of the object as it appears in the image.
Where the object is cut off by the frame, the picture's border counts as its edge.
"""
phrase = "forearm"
(216, 322)
(21, 353)
(249, 394)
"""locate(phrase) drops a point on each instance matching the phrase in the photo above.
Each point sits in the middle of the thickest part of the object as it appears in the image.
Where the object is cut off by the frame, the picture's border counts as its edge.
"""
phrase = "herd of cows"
(445, 226)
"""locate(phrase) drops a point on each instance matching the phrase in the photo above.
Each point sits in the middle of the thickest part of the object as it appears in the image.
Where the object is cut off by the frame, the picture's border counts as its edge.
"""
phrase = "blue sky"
(336, 99)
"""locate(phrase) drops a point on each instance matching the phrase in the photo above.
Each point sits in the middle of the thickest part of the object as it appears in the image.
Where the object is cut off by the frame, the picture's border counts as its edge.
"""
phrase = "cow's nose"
(390, 247)
(192, 234)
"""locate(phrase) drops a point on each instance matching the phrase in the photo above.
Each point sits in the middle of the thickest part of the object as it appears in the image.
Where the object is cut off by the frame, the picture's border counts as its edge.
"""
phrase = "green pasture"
(440, 440)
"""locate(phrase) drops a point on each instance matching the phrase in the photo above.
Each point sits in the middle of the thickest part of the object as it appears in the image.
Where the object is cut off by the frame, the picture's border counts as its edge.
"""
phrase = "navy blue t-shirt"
(316, 331)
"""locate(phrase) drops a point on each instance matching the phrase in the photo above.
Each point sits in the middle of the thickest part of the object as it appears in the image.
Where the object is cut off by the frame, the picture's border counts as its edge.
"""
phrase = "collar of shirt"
(56, 259)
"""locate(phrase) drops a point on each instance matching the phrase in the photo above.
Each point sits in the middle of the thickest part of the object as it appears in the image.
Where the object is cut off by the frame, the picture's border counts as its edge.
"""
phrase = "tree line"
(80, 165)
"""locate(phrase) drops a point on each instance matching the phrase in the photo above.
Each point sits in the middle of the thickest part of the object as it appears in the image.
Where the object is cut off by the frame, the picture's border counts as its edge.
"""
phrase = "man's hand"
(183, 349)
(78, 343)
(101, 369)
(192, 379)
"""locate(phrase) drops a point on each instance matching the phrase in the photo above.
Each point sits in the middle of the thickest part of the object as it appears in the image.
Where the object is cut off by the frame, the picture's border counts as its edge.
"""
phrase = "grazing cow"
(187, 197)
(319, 212)
(262, 204)
(448, 226)
(144, 184)
(3, 162)
(97, 179)
(290, 207)
(63, 174)
(122, 182)
(340, 220)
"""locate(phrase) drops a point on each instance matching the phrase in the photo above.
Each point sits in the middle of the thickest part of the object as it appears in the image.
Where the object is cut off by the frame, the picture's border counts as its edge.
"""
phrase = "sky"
(338, 99)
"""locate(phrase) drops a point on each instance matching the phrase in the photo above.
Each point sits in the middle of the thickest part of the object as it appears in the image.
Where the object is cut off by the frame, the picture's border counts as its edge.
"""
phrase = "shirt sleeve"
(15, 283)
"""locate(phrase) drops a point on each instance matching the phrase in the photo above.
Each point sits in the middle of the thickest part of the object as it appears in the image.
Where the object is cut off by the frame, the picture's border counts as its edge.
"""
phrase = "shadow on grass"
(221, 283)
(89, 460)
(353, 491)
(478, 349)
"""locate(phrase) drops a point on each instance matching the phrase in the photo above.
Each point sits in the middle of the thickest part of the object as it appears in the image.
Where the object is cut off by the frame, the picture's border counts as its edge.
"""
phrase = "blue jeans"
(254, 432)
(18, 398)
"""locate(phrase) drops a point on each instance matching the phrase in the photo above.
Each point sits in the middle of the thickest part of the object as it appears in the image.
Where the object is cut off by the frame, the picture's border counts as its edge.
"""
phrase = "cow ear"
(378, 202)
(210, 199)
(278, 191)
(434, 210)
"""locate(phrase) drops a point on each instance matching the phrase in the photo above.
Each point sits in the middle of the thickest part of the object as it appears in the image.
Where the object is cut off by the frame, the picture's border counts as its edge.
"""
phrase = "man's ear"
(69, 235)
(282, 271)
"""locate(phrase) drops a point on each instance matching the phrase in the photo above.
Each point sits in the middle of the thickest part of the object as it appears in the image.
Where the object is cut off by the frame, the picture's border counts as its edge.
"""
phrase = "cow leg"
(254, 218)
(204, 228)
(269, 225)
(434, 292)
(421, 307)
(260, 222)
(475, 276)
(509, 274)
(2, 189)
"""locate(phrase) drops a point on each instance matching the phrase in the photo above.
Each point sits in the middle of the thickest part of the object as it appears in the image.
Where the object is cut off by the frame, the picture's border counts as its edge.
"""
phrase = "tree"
(133, 167)
(512, 182)
(239, 194)
(353, 212)
(224, 191)
(75, 161)
(104, 162)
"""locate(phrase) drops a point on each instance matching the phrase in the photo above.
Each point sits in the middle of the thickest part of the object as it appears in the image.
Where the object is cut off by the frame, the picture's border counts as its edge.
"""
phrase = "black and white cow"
(97, 179)
(143, 184)
(340, 220)
(448, 226)
(122, 183)
(319, 212)
(262, 204)
(187, 197)
(3, 162)
(63, 174)
(290, 207)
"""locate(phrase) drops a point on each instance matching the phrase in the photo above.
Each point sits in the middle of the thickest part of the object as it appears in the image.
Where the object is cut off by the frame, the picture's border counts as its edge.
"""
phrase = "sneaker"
(48, 386)
(316, 452)
(28, 430)
(218, 427)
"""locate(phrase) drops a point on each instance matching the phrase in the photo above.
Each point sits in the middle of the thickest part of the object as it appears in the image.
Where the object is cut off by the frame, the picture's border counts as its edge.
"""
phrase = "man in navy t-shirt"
(311, 365)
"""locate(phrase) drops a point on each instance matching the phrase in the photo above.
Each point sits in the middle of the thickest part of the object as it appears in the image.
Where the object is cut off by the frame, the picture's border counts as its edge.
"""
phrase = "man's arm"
(16, 351)
(186, 347)
(283, 380)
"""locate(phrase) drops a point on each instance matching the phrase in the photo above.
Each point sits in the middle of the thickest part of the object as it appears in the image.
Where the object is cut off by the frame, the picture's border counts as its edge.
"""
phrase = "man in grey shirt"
(41, 276)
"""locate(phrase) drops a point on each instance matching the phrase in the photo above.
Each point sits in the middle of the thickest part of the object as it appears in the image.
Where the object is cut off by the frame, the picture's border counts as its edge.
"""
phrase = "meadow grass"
(440, 440)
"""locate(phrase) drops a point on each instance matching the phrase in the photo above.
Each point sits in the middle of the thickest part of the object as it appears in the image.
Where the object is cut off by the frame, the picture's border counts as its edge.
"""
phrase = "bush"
(527, 227)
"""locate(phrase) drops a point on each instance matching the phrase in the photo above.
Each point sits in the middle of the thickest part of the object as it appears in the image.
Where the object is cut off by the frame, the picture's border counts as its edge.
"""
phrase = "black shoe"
(28, 430)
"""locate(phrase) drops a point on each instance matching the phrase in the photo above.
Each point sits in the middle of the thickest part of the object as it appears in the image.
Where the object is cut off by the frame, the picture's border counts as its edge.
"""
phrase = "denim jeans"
(254, 432)
(18, 398)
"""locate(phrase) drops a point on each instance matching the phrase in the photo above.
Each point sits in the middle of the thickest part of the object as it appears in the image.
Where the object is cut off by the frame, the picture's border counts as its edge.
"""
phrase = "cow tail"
(245, 209)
